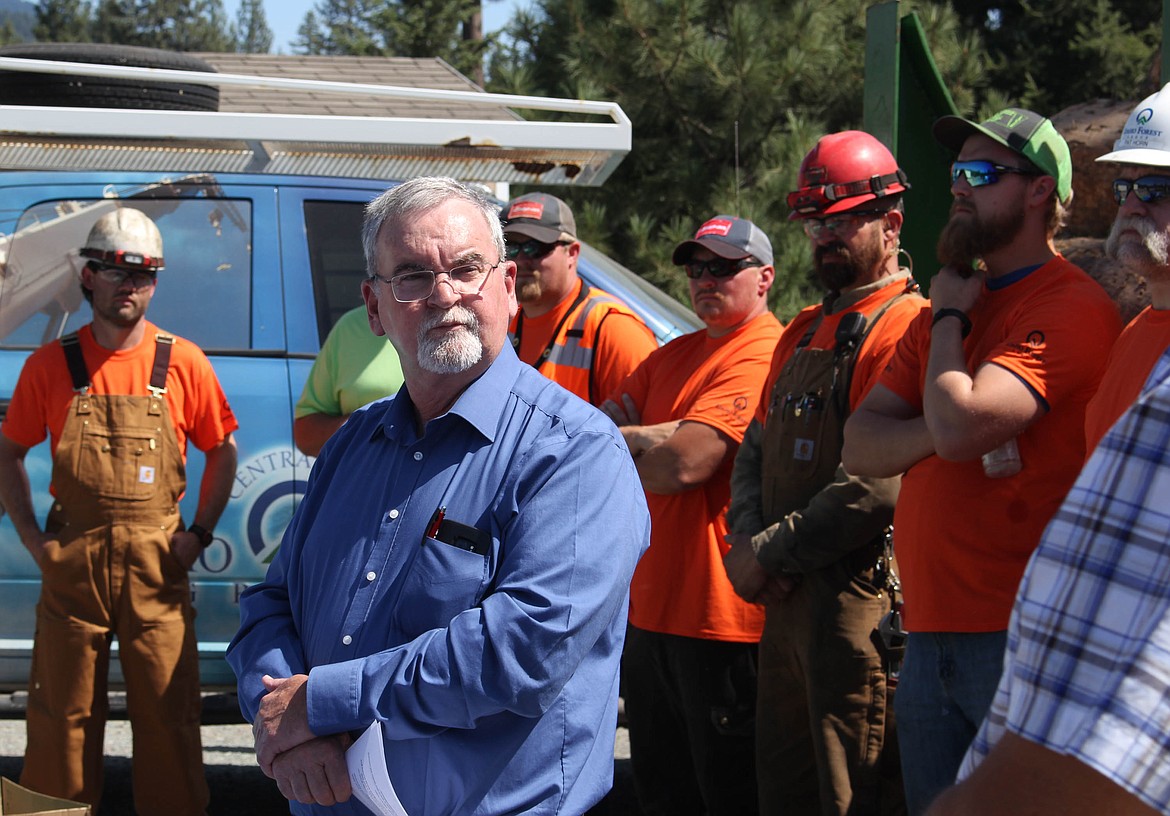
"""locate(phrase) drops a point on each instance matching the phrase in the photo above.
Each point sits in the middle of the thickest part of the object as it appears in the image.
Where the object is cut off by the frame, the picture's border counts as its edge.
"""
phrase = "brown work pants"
(821, 708)
(113, 574)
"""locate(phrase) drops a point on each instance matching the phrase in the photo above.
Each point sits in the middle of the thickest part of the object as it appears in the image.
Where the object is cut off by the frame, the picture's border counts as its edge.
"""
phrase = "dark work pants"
(690, 705)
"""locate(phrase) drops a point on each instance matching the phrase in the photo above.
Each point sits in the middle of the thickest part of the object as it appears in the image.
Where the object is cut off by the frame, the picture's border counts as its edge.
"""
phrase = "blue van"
(259, 266)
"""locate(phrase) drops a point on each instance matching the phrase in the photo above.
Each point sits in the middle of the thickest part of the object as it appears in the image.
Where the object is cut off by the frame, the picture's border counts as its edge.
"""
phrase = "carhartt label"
(803, 450)
(146, 475)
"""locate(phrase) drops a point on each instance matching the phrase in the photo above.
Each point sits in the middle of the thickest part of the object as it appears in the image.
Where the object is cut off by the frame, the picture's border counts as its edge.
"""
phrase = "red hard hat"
(844, 171)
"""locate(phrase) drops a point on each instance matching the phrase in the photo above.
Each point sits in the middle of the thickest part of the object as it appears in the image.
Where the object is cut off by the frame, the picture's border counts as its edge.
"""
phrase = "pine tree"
(450, 29)
(62, 21)
(115, 21)
(251, 32)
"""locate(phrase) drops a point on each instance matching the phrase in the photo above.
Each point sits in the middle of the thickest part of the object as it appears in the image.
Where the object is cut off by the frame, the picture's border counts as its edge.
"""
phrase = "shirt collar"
(480, 404)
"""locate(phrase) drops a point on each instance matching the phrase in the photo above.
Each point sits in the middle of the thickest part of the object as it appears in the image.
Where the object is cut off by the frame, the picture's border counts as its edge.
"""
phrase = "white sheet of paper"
(366, 760)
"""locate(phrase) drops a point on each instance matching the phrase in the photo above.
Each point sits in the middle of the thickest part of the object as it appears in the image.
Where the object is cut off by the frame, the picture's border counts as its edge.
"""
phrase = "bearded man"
(806, 537)
(982, 409)
(1139, 240)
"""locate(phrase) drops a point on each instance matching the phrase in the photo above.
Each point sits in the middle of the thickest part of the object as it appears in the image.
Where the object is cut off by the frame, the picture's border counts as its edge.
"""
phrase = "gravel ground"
(238, 788)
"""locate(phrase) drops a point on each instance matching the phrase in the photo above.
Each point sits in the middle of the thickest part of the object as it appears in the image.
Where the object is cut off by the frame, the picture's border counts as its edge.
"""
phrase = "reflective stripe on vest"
(570, 360)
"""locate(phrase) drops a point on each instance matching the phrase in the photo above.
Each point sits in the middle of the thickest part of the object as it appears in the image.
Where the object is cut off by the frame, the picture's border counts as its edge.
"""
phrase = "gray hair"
(421, 195)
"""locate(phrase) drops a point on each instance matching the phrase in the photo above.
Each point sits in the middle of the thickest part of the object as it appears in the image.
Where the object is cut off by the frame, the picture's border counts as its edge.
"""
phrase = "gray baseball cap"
(541, 216)
(728, 237)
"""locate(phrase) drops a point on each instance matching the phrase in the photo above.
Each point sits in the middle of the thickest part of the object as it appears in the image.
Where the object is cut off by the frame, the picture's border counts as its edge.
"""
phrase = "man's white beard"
(1154, 250)
(454, 352)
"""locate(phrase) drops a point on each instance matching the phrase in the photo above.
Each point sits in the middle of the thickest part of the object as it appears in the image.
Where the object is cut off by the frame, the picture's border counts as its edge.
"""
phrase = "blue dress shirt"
(495, 673)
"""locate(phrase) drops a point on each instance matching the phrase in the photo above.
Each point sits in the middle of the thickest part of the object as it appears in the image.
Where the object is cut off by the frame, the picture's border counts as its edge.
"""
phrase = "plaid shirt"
(1087, 668)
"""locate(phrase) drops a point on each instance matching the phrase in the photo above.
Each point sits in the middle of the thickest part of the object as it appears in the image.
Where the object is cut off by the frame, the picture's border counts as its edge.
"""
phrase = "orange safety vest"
(568, 357)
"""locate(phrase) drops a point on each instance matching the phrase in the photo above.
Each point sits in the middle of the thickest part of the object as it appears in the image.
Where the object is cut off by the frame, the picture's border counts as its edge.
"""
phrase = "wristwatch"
(203, 534)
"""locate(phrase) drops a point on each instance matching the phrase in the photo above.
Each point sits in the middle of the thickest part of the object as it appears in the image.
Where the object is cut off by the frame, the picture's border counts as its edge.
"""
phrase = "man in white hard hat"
(1079, 719)
(1140, 240)
(119, 400)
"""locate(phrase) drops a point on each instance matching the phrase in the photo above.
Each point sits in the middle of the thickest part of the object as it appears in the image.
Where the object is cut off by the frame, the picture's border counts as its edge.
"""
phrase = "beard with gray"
(457, 350)
(1151, 254)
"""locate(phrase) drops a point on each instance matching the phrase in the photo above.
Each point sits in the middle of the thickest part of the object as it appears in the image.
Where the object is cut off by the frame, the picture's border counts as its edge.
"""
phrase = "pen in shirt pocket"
(436, 520)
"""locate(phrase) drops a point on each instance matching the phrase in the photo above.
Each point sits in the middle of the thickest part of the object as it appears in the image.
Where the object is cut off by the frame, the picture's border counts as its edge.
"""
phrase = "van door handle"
(4, 408)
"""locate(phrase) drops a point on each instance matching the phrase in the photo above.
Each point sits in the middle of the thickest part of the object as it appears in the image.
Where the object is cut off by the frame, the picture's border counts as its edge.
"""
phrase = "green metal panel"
(904, 95)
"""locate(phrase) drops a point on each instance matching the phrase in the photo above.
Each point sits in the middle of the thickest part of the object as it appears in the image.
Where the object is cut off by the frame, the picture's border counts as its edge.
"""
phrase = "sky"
(286, 16)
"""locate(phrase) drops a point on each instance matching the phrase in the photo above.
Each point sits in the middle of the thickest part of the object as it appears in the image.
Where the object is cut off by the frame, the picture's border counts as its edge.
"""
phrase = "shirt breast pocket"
(444, 580)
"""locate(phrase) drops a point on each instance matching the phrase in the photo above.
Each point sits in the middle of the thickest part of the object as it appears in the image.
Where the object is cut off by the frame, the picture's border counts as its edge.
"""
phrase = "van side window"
(204, 294)
(334, 230)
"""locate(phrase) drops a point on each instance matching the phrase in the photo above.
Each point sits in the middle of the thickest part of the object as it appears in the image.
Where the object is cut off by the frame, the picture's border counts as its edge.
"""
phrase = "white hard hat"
(125, 238)
(1145, 139)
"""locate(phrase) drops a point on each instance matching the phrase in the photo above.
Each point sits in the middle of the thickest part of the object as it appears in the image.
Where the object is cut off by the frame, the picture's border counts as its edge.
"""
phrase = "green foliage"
(8, 34)
(1050, 54)
(175, 25)
(449, 29)
(251, 33)
(62, 21)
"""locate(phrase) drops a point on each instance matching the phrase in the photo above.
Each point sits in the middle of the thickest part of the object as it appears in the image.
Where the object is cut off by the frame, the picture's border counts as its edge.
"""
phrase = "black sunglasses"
(531, 249)
(718, 267)
(1147, 189)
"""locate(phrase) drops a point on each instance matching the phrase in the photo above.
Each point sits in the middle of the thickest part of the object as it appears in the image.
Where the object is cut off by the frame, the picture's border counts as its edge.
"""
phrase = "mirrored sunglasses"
(1147, 189)
(531, 249)
(980, 173)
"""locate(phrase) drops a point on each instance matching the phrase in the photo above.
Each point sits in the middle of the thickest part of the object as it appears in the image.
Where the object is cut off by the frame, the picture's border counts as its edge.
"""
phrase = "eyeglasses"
(1147, 189)
(465, 279)
(718, 267)
(837, 225)
(117, 276)
(531, 249)
(980, 173)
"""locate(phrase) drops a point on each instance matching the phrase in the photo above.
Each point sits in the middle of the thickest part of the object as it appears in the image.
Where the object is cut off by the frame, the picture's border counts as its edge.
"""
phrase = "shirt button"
(371, 575)
(418, 456)
(347, 640)
(393, 514)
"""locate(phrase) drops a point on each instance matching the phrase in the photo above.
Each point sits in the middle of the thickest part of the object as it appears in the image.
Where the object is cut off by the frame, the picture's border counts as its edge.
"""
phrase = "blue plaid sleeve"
(1087, 668)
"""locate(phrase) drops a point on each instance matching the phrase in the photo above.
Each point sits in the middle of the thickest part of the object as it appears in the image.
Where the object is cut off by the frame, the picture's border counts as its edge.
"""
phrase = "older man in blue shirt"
(459, 567)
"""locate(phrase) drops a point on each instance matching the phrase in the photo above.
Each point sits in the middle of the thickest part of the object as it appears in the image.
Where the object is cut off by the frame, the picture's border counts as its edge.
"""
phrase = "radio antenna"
(737, 209)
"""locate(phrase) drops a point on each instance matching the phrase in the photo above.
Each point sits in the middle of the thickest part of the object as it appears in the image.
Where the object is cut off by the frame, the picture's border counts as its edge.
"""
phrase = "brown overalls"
(822, 690)
(118, 475)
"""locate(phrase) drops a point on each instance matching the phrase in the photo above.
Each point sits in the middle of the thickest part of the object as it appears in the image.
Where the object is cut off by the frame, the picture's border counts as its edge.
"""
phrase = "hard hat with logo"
(1145, 139)
(125, 238)
(845, 171)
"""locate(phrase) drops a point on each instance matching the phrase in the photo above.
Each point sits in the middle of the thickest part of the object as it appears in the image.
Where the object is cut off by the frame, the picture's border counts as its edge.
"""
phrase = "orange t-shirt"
(1130, 362)
(622, 343)
(680, 586)
(870, 360)
(40, 404)
(963, 539)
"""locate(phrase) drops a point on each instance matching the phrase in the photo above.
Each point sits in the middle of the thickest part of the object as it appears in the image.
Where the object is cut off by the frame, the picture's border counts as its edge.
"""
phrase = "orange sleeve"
(36, 404)
(731, 390)
(1048, 351)
(203, 407)
(623, 342)
(904, 374)
(873, 359)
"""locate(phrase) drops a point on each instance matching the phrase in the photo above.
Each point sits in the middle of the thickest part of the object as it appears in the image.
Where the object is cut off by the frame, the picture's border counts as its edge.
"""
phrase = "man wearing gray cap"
(580, 337)
(689, 668)
(1140, 240)
(982, 408)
